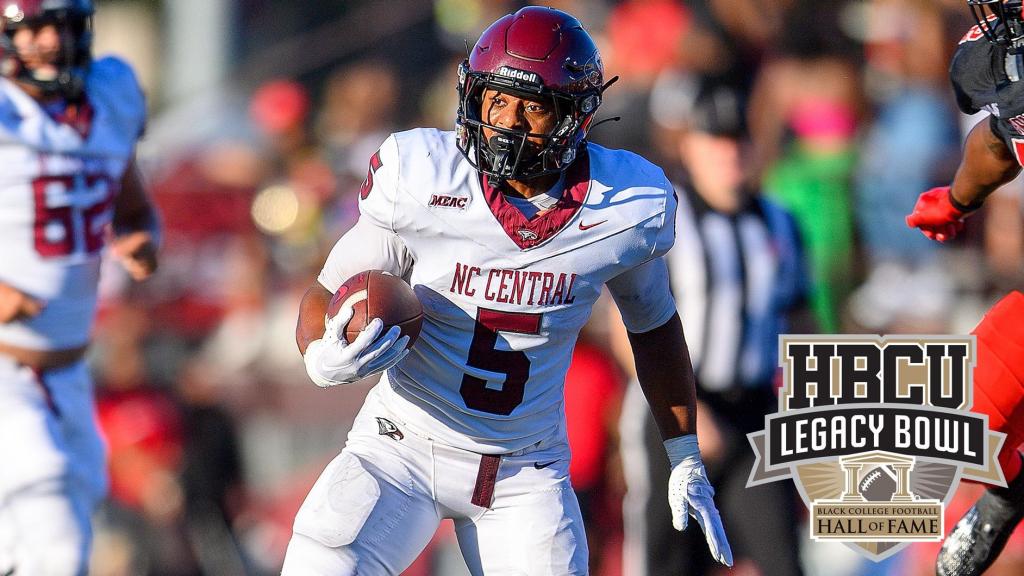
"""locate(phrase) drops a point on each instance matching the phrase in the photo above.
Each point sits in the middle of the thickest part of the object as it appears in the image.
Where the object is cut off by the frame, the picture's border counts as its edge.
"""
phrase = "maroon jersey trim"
(79, 116)
(529, 233)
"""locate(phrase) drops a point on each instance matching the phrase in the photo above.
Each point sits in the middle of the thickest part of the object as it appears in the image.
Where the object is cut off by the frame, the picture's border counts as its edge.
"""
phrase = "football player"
(986, 73)
(68, 125)
(507, 229)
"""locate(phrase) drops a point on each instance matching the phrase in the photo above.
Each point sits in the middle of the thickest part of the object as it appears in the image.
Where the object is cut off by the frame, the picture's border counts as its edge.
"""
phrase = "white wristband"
(682, 448)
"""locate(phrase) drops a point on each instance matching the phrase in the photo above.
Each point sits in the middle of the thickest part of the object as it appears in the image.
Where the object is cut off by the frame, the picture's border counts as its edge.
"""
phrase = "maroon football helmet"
(73, 19)
(537, 53)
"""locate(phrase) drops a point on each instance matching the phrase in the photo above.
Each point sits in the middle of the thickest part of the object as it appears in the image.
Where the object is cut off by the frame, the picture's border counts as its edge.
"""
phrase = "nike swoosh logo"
(589, 226)
(540, 466)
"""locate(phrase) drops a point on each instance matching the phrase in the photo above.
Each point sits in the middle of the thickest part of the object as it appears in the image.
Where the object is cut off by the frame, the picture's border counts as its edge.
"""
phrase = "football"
(377, 294)
(878, 485)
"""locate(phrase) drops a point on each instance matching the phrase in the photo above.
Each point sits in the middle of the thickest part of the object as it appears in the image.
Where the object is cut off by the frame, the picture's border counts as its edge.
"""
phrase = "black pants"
(760, 522)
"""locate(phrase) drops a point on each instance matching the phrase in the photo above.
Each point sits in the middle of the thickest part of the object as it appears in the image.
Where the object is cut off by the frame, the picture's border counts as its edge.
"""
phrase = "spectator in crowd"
(805, 111)
(910, 145)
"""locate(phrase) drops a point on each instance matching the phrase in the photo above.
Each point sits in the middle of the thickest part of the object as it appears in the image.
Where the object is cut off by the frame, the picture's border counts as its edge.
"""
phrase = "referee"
(738, 276)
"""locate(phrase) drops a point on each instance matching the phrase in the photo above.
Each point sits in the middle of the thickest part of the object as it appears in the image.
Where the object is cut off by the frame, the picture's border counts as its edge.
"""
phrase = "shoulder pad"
(972, 76)
(112, 84)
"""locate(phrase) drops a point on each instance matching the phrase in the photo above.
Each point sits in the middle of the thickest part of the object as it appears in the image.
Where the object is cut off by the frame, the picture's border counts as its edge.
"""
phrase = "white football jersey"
(57, 186)
(504, 297)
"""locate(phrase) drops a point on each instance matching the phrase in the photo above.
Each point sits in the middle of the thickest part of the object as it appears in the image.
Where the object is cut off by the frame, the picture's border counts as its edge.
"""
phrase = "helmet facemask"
(74, 26)
(1001, 22)
(511, 154)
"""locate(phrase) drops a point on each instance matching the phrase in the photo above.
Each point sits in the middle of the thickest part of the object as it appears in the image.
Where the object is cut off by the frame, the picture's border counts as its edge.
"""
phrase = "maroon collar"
(78, 116)
(529, 233)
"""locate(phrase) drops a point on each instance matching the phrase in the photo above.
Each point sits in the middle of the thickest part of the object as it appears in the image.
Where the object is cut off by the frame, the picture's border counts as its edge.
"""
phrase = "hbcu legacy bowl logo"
(876, 433)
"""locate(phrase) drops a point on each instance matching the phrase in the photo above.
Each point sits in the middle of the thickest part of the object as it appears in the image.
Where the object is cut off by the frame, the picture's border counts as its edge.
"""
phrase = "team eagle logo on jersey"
(527, 234)
(386, 427)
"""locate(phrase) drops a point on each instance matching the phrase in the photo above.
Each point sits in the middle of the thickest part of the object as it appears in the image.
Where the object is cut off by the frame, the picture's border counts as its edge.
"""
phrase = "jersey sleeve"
(643, 296)
(372, 243)
(114, 80)
(972, 77)
(665, 236)
(366, 246)
(378, 195)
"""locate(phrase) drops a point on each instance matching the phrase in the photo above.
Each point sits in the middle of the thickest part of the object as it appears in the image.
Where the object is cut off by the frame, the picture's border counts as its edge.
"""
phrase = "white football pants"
(377, 504)
(52, 469)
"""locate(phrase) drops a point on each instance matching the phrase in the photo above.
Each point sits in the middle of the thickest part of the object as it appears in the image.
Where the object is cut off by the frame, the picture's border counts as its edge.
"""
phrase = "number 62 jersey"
(58, 180)
(504, 297)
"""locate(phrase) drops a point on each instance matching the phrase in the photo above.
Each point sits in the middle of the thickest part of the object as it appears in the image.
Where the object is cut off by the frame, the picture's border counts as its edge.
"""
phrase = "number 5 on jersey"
(514, 364)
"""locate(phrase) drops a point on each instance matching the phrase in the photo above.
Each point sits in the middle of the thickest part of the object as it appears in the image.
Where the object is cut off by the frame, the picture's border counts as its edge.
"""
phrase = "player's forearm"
(312, 310)
(986, 166)
(666, 376)
(133, 210)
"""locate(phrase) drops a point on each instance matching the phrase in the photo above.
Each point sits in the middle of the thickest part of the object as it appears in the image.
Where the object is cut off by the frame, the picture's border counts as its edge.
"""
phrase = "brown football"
(376, 294)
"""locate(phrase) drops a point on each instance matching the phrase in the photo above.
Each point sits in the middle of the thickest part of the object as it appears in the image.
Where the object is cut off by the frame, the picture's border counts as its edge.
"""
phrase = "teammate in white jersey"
(68, 129)
(507, 230)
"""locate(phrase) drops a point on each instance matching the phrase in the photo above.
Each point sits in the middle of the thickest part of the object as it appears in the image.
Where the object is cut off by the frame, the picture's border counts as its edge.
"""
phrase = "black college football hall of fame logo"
(876, 433)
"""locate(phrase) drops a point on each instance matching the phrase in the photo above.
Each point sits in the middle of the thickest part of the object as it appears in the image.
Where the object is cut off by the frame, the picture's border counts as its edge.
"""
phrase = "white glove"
(331, 360)
(690, 493)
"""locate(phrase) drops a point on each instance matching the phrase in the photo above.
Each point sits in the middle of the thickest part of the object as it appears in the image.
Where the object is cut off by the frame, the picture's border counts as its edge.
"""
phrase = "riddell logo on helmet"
(518, 74)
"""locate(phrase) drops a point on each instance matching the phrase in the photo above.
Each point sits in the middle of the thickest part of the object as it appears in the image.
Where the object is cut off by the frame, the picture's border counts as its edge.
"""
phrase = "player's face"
(515, 113)
(38, 47)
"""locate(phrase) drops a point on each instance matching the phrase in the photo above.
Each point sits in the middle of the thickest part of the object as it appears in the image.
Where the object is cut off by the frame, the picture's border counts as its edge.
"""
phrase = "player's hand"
(935, 215)
(15, 304)
(137, 253)
(332, 360)
(690, 494)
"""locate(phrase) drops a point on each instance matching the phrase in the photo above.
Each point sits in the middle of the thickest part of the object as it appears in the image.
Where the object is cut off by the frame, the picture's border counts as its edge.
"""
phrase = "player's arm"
(329, 358)
(663, 369)
(372, 244)
(136, 225)
(987, 164)
(659, 349)
(312, 312)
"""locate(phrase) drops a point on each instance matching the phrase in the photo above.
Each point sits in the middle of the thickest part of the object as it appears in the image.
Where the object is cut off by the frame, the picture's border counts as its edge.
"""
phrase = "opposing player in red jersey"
(68, 129)
(507, 229)
(986, 73)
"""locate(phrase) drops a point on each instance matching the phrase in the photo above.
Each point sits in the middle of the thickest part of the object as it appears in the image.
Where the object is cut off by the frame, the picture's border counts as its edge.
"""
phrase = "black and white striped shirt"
(735, 277)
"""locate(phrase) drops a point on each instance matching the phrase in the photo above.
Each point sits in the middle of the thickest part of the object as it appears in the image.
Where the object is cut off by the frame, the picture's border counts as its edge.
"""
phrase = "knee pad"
(339, 503)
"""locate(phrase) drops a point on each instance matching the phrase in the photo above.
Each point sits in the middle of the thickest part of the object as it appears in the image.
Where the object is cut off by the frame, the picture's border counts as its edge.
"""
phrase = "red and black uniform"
(980, 81)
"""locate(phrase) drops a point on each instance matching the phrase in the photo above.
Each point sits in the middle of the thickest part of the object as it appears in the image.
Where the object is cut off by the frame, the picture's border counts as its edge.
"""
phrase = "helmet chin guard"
(540, 54)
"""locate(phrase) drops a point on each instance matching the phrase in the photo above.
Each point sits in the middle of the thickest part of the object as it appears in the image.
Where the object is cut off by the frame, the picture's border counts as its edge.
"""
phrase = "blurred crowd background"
(264, 114)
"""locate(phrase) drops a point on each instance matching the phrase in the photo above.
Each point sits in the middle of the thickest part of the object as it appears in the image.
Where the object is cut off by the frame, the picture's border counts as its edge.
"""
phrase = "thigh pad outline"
(339, 503)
